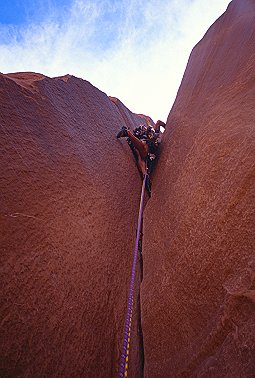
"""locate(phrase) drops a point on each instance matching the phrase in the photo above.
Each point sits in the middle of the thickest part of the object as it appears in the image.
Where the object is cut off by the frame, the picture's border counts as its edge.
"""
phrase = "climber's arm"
(158, 124)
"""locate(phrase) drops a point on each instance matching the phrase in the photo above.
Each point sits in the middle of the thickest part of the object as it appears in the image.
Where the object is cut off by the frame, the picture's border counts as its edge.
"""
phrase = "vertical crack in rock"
(139, 320)
(135, 355)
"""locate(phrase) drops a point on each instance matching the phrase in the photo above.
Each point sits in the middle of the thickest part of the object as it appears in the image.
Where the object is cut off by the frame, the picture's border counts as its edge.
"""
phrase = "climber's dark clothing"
(144, 142)
(151, 138)
(130, 143)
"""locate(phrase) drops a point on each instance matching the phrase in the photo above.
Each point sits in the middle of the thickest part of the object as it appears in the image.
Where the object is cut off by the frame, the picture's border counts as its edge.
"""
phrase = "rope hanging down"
(127, 332)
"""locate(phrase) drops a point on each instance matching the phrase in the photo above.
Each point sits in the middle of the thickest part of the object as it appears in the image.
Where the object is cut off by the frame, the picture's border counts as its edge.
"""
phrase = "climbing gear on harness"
(150, 132)
(127, 333)
(140, 132)
(123, 132)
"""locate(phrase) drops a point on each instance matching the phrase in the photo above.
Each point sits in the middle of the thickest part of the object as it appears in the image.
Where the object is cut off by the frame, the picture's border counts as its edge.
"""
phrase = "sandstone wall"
(68, 211)
(198, 311)
(69, 206)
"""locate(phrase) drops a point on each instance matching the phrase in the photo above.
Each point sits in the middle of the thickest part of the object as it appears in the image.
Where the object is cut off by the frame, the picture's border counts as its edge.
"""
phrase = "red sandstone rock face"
(69, 205)
(198, 301)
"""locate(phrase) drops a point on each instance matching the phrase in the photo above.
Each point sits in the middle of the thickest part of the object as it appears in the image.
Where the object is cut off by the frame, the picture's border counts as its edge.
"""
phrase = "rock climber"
(144, 142)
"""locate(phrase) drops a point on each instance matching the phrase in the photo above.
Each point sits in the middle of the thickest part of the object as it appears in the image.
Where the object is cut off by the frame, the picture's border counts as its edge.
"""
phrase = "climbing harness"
(151, 138)
(127, 333)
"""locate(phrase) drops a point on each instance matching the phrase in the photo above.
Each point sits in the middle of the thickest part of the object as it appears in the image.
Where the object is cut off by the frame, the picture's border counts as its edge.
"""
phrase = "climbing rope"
(127, 333)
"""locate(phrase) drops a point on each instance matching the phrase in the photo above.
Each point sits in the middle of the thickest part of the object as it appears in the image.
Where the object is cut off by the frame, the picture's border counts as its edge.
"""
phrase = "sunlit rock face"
(69, 203)
(198, 310)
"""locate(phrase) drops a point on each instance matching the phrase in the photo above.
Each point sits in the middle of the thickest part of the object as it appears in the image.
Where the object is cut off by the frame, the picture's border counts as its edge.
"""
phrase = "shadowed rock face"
(198, 301)
(69, 205)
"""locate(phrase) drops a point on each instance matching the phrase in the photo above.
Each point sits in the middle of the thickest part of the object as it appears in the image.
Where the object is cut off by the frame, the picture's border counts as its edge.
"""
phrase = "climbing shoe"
(123, 132)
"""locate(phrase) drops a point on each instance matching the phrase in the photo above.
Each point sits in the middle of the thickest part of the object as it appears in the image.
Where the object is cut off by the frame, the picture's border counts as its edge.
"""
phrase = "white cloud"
(139, 55)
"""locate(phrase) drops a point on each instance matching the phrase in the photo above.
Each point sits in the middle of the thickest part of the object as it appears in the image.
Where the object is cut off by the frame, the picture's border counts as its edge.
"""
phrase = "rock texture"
(69, 205)
(68, 211)
(198, 291)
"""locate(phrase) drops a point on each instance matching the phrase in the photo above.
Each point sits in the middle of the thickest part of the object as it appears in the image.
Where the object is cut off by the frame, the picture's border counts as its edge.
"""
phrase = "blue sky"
(18, 12)
(135, 50)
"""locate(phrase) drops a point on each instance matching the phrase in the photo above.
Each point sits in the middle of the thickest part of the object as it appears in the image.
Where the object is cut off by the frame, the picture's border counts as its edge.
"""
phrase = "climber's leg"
(141, 149)
(141, 146)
